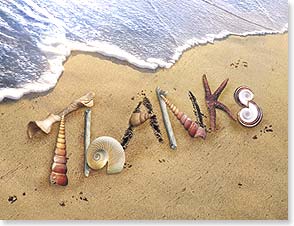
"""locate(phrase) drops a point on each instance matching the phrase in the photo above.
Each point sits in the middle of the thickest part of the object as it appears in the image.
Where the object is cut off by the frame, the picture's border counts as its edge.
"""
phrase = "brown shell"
(193, 128)
(138, 118)
(45, 125)
(59, 169)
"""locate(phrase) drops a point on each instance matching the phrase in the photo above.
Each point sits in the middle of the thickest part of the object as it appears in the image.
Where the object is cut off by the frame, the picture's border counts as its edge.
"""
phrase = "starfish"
(212, 102)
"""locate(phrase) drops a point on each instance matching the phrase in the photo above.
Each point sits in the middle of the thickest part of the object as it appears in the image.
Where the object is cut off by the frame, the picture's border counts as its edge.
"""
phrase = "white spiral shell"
(106, 149)
(243, 95)
(251, 115)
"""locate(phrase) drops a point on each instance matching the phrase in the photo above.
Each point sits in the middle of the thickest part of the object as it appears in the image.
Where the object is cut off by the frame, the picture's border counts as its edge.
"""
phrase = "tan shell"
(106, 149)
(45, 125)
(193, 128)
(59, 169)
(138, 118)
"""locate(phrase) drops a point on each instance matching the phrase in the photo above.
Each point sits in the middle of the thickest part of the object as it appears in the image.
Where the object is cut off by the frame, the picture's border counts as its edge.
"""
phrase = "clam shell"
(106, 149)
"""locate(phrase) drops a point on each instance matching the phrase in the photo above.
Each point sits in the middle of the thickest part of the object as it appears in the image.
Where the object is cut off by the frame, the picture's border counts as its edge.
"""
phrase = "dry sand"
(230, 175)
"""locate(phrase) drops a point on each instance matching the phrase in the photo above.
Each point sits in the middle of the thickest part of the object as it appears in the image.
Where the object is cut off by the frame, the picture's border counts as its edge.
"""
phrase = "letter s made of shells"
(251, 115)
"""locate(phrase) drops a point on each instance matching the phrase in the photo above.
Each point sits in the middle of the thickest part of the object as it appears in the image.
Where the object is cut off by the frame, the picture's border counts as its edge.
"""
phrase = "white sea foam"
(39, 35)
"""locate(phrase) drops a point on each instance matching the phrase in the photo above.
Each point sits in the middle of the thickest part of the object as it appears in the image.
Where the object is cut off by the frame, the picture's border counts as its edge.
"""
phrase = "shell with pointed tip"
(251, 115)
(106, 149)
(138, 118)
(45, 125)
(193, 128)
(59, 169)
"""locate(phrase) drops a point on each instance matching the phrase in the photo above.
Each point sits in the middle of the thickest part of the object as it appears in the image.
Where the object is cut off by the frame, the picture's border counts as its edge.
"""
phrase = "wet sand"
(236, 173)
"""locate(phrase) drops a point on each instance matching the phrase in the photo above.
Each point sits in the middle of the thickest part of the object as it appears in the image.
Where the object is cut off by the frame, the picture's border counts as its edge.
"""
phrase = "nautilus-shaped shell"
(138, 118)
(193, 128)
(59, 169)
(105, 150)
(46, 124)
(251, 115)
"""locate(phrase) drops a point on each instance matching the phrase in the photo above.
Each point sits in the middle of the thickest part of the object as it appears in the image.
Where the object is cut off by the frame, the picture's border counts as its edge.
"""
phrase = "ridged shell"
(138, 118)
(193, 128)
(45, 125)
(106, 149)
(59, 169)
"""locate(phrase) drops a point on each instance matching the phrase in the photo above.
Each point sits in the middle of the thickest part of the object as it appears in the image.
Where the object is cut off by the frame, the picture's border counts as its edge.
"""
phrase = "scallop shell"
(106, 149)
(59, 169)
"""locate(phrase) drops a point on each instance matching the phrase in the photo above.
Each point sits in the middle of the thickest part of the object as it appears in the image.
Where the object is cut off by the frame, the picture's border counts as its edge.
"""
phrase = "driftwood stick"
(87, 140)
(165, 116)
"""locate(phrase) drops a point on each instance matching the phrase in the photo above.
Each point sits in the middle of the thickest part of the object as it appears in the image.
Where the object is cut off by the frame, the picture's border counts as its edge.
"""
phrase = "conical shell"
(45, 125)
(193, 128)
(106, 149)
(59, 169)
(138, 118)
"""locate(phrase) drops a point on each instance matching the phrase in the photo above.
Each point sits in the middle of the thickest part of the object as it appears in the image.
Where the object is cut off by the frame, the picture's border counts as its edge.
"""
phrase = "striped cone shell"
(192, 127)
(138, 118)
(59, 169)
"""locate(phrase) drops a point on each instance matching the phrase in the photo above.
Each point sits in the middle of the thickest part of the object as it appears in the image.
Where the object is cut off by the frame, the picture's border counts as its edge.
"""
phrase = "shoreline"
(236, 173)
(146, 70)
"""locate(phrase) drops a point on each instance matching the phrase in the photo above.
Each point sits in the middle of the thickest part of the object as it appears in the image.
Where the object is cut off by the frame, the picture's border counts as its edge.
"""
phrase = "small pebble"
(62, 204)
(12, 199)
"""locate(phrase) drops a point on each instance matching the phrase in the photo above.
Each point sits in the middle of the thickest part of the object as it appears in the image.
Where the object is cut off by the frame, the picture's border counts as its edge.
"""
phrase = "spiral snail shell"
(251, 115)
(193, 128)
(106, 149)
(138, 118)
(59, 169)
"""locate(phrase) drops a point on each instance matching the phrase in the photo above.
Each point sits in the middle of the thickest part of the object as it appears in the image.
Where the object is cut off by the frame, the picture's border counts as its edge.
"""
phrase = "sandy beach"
(236, 173)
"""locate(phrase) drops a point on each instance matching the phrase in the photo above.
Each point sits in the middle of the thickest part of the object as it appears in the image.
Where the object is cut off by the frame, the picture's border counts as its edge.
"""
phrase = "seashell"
(106, 149)
(193, 128)
(45, 125)
(243, 95)
(251, 115)
(138, 118)
(59, 169)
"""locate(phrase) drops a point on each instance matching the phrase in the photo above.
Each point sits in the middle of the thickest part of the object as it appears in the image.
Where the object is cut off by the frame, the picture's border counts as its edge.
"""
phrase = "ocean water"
(36, 36)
